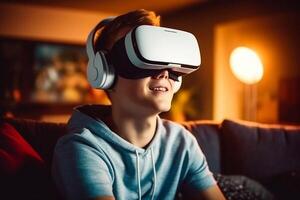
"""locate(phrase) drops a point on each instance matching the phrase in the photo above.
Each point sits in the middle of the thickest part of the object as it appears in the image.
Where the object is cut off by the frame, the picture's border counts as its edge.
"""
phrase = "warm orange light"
(246, 65)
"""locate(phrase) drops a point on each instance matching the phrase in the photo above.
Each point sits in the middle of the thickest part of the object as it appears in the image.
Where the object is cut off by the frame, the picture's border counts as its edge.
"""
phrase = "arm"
(104, 198)
(200, 183)
(211, 193)
(80, 170)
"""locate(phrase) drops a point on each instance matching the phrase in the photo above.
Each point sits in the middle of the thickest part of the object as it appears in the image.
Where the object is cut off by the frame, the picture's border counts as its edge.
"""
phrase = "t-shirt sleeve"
(199, 176)
(80, 170)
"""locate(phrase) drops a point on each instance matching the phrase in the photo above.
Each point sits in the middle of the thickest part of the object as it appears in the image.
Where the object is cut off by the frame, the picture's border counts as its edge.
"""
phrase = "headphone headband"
(90, 40)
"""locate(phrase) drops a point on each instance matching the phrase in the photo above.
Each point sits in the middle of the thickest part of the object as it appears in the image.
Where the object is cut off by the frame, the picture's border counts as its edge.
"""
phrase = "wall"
(47, 24)
(210, 20)
(199, 84)
(39, 24)
(205, 21)
(275, 39)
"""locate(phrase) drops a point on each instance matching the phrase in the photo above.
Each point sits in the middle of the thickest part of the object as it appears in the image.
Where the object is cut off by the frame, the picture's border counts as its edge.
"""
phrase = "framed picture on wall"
(44, 72)
(59, 73)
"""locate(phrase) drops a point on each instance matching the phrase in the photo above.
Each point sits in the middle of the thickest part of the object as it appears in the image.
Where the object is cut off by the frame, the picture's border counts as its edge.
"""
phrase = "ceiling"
(113, 6)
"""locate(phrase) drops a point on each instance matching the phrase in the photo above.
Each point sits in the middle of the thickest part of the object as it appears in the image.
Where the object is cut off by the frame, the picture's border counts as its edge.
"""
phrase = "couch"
(249, 160)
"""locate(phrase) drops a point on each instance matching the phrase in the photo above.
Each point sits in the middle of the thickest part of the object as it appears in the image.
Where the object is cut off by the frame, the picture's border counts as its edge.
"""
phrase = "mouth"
(159, 89)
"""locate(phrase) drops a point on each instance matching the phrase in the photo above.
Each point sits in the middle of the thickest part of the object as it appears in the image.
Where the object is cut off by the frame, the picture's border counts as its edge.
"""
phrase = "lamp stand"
(250, 102)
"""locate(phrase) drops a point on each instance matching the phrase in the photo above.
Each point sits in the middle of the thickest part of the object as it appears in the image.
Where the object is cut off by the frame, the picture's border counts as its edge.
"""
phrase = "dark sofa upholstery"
(235, 150)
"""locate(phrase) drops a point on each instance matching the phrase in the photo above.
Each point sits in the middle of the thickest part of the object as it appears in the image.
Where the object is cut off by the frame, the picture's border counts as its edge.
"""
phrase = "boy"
(126, 151)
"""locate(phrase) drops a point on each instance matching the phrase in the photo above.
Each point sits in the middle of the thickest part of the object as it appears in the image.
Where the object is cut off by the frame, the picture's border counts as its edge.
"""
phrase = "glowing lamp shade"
(246, 65)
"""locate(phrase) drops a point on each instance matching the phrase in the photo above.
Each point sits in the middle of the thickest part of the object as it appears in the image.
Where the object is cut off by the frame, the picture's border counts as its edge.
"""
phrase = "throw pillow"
(233, 188)
(15, 152)
(242, 188)
(22, 170)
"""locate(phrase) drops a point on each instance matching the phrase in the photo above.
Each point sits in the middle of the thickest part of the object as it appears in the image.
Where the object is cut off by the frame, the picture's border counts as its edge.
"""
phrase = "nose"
(161, 75)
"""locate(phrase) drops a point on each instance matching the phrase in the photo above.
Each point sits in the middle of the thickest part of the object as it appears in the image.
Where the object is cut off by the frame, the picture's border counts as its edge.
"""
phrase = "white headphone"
(101, 73)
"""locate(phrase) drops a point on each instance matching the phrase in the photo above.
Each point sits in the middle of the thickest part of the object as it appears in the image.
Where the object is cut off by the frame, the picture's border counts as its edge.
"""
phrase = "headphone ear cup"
(99, 74)
(177, 84)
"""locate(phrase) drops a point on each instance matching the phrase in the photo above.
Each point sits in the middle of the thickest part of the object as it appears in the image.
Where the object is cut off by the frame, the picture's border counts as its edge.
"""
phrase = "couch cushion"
(22, 171)
(207, 135)
(285, 185)
(259, 151)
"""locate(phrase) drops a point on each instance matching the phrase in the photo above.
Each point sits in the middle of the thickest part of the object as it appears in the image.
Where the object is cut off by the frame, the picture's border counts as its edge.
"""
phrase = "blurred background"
(43, 60)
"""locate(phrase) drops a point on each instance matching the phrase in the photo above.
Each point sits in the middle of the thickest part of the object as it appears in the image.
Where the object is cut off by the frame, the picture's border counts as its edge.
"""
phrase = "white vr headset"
(144, 51)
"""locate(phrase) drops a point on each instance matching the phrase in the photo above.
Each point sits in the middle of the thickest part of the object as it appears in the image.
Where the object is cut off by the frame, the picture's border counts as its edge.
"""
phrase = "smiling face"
(146, 96)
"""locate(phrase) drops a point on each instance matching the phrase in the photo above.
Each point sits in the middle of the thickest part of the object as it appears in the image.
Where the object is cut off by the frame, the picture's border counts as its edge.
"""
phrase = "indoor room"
(242, 104)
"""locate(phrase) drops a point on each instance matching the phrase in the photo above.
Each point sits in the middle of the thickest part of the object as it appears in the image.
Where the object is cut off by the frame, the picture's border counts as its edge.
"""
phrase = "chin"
(156, 107)
(164, 108)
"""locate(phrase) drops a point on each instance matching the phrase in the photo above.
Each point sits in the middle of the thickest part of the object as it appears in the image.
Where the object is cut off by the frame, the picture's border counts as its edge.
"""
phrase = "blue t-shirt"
(94, 161)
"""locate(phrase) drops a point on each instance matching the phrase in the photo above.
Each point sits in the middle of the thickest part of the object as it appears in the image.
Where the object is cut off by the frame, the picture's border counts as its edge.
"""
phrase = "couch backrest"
(233, 147)
(260, 151)
(42, 136)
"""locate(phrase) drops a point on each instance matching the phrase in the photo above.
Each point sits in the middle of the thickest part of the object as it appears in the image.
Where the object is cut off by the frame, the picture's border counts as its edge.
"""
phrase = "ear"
(177, 84)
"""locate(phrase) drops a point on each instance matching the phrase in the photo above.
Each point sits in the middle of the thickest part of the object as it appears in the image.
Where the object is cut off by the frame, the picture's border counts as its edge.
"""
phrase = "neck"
(136, 129)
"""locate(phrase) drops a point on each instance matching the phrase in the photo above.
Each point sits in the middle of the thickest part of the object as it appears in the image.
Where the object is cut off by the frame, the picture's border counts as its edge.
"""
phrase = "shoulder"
(175, 131)
(175, 128)
(77, 139)
(83, 130)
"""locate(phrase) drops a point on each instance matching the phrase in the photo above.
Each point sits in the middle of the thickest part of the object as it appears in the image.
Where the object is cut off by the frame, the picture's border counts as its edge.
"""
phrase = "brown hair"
(107, 36)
